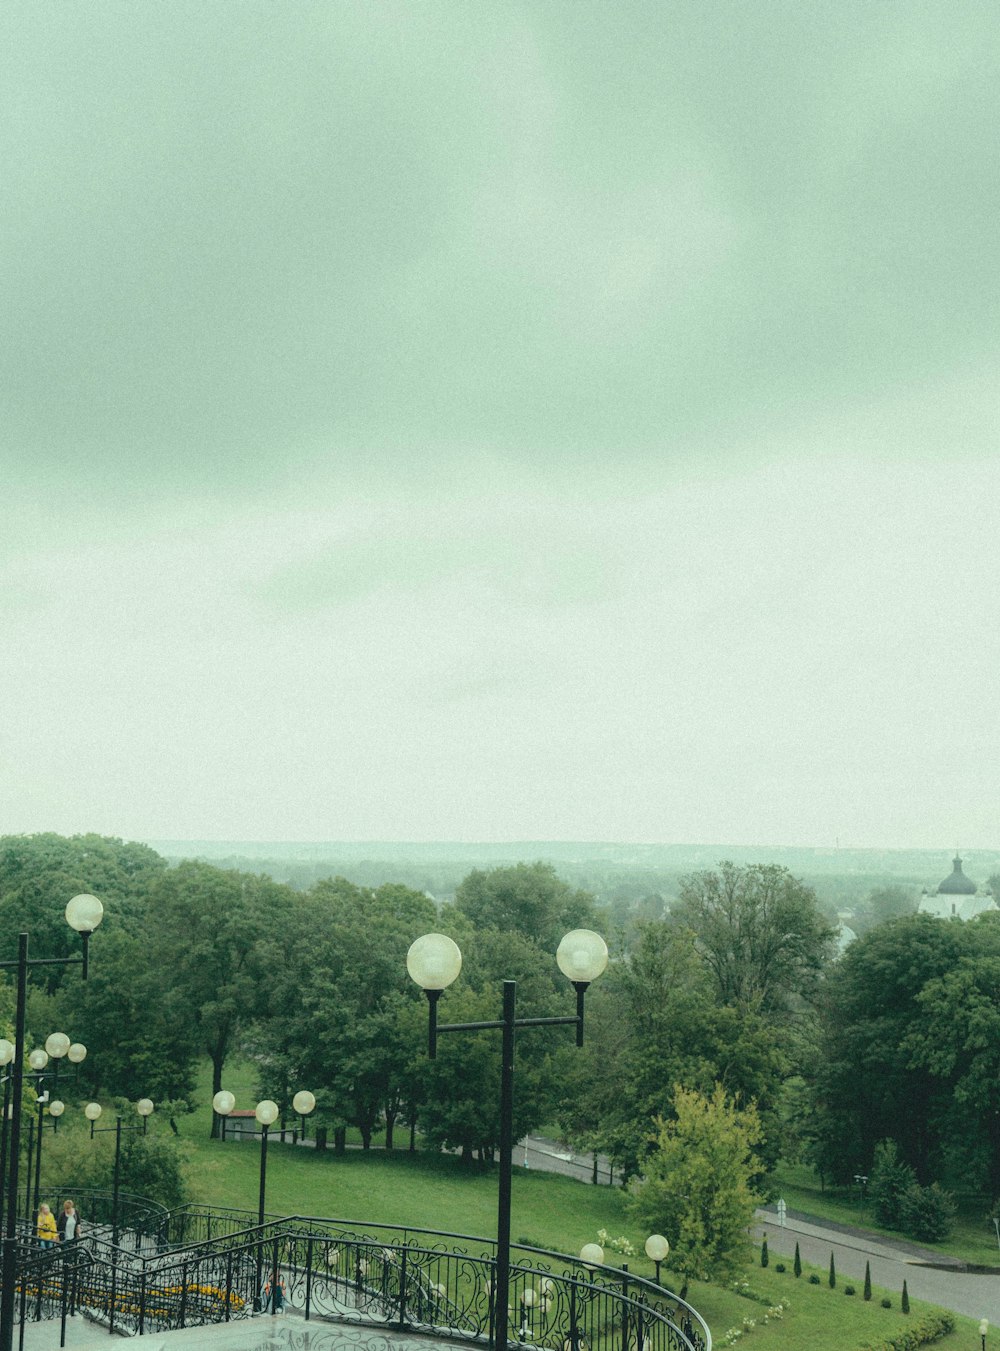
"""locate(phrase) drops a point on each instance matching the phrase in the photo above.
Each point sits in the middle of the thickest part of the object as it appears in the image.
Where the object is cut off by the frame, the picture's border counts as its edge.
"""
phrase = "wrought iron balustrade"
(382, 1275)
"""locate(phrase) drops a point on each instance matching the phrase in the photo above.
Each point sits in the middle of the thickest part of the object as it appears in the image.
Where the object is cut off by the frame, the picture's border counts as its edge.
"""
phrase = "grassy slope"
(553, 1212)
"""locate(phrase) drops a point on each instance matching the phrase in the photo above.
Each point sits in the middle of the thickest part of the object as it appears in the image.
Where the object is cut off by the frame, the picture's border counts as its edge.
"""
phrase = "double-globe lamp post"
(93, 1112)
(57, 1047)
(83, 913)
(267, 1113)
(434, 962)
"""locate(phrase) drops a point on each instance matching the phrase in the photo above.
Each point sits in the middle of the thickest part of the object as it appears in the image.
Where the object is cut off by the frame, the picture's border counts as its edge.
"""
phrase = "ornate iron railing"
(382, 1275)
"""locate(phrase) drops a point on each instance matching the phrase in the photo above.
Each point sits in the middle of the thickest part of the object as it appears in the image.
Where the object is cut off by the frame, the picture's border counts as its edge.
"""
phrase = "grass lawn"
(972, 1238)
(438, 1191)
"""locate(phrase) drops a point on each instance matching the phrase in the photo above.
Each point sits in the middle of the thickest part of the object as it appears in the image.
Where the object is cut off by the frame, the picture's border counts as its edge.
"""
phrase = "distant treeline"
(619, 876)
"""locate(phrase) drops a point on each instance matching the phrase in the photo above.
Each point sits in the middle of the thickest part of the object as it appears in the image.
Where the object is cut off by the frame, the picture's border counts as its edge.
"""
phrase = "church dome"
(957, 884)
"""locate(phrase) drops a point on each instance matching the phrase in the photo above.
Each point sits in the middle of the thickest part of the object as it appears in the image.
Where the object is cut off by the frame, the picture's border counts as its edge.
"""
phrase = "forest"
(736, 987)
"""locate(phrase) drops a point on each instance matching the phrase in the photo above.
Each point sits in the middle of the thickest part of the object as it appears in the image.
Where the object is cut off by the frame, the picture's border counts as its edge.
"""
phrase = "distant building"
(957, 897)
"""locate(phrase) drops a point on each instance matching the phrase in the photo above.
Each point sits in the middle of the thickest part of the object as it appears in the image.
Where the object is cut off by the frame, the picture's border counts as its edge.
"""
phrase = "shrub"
(926, 1212)
(928, 1329)
(763, 1252)
(848, 1289)
(833, 1273)
(904, 1303)
(780, 1266)
(797, 1264)
(890, 1178)
(151, 1166)
(814, 1279)
(887, 1304)
(868, 1280)
(742, 1287)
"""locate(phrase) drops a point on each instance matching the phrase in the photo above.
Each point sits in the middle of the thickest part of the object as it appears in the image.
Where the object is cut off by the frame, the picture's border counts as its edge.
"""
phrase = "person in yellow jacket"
(46, 1227)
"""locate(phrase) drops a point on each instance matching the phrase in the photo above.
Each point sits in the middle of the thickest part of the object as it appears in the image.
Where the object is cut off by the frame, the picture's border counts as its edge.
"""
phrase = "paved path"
(892, 1262)
(535, 1151)
(286, 1333)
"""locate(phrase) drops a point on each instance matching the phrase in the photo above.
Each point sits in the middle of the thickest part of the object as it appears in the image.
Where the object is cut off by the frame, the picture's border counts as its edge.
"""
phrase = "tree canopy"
(528, 898)
(760, 931)
(698, 1184)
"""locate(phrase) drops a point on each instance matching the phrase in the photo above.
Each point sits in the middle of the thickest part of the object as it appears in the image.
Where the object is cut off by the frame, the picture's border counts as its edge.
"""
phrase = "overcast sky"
(488, 421)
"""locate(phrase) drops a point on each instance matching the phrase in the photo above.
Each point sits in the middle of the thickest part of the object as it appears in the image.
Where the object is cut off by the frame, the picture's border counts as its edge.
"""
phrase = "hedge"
(927, 1329)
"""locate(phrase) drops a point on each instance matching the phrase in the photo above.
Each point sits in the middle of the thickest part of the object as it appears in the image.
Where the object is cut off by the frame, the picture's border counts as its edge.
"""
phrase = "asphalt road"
(535, 1151)
(977, 1296)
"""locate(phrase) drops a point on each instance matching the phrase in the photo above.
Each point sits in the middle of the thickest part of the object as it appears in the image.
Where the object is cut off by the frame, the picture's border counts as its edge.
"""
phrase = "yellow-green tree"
(698, 1188)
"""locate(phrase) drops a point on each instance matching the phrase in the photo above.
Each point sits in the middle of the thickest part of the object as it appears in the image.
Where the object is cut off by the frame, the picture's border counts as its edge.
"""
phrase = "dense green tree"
(39, 874)
(210, 939)
(528, 898)
(875, 1048)
(955, 1037)
(698, 1184)
(657, 1022)
(136, 1045)
(340, 1021)
(759, 930)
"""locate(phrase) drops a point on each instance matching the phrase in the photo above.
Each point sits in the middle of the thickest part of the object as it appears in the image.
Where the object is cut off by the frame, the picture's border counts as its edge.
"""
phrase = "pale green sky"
(512, 420)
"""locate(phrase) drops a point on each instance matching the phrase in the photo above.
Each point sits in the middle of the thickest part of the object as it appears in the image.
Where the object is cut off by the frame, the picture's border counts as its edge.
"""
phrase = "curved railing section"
(205, 1267)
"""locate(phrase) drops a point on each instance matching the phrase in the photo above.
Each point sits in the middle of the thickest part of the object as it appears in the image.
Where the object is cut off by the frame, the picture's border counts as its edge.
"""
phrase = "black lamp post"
(862, 1180)
(434, 961)
(92, 1112)
(6, 1056)
(83, 913)
(267, 1113)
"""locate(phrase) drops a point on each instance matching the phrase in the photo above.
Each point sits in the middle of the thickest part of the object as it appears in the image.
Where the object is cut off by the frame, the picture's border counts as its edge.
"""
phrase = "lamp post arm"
(43, 961)
(470, 1027)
